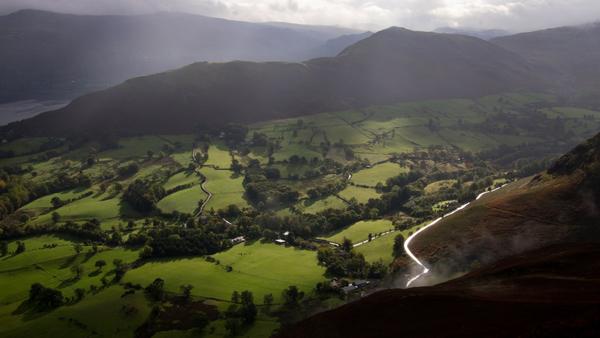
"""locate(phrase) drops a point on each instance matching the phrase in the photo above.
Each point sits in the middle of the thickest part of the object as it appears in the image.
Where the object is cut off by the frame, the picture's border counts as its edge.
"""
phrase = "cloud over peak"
(514, 15)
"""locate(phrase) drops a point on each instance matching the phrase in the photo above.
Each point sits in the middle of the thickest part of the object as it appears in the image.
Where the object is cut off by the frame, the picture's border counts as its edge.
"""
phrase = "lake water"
(19, 110)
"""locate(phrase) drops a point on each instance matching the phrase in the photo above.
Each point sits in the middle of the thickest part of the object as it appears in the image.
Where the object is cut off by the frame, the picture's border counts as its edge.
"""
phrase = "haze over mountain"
(51, 55)
(335, 46)
(390, 66)
(571, 52)
(485, 34)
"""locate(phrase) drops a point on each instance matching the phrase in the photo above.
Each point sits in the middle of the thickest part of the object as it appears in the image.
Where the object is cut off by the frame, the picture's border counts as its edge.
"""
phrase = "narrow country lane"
(409, 239)
(208, 193)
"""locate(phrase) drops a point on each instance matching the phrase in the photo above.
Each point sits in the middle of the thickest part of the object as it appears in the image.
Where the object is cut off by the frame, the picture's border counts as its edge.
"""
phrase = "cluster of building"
(281, 241)
(350, 286)
(278, 241)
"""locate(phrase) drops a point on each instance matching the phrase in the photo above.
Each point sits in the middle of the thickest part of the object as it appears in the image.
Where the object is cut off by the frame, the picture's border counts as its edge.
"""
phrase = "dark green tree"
(186, 291)
(156, 290)
(292, 296)
(347, 245)
(4, 248)
(398, 246)
(20, 247)
(100, 264)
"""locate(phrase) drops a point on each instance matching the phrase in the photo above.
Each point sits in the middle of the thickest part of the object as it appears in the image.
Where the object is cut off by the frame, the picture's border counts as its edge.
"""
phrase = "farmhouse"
(238, 239)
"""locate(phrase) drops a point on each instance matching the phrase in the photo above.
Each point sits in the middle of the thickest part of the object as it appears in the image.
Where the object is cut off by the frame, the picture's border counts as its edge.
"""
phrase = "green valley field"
(160, 235)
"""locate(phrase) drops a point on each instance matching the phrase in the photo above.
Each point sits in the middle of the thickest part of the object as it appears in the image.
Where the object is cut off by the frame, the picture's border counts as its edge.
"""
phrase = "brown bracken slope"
(550, 292)
(558, 206)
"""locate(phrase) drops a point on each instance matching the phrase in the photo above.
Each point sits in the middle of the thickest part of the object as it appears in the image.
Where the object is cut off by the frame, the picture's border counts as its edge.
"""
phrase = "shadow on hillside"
(88, 256)
(68, 262)
(126, 211)
(29, 311)
(95, 273)
(252, 242)
(68, 282)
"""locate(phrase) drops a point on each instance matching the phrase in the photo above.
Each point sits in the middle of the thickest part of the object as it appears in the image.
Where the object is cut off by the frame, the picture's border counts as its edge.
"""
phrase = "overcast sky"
(512, 15)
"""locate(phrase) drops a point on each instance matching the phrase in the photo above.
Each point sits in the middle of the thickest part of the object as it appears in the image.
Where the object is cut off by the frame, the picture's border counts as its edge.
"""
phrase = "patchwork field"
(51, 266)
(260, 268)
(226, 188)
(362, 195)
(185, 201)
(438, 185)
(313, 207)
(377, 174)
(218, 155)
(325, 161)
(379, 249)
(360, 231)
(182, 178)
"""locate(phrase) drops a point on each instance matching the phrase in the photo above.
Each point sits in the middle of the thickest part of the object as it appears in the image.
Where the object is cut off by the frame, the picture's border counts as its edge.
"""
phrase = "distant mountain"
(485, 34)
(336, 45)
(398, 64)
(51, 55)
(319, 31)
(390, 66)
(561, 205)
(573, 53)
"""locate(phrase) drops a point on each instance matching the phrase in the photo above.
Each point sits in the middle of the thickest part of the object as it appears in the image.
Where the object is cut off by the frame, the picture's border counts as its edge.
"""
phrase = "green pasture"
(362, 195)
(185, 201)
(360, 231)
(260, 268)
(379, 173)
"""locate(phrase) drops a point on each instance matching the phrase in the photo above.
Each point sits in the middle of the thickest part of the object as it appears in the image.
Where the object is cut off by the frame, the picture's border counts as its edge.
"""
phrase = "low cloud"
(512, 15)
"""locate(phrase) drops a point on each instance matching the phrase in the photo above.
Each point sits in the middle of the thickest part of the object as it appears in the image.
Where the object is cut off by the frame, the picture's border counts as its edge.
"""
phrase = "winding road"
(208, 193)
(409, 239)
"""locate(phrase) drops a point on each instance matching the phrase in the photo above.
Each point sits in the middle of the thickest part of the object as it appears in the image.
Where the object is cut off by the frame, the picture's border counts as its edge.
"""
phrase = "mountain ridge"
(49, 55)
(390, 66)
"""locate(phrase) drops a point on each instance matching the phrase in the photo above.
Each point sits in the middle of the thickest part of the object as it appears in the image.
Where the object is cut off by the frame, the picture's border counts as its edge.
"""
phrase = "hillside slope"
(47, 54)
(398, 64)
(537, 240)
(390, 66)
(552, 292)
(558, 206)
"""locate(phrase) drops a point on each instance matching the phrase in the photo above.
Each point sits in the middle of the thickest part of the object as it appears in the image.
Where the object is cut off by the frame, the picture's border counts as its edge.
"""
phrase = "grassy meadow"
(333, 160)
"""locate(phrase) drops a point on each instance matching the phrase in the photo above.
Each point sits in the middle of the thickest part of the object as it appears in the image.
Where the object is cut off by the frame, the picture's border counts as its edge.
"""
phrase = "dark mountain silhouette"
(52, 55)
(573, 53)
(391, 66)
(399, 64)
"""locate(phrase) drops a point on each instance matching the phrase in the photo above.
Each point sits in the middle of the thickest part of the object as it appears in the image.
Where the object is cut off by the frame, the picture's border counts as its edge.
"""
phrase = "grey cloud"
(512, 15)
